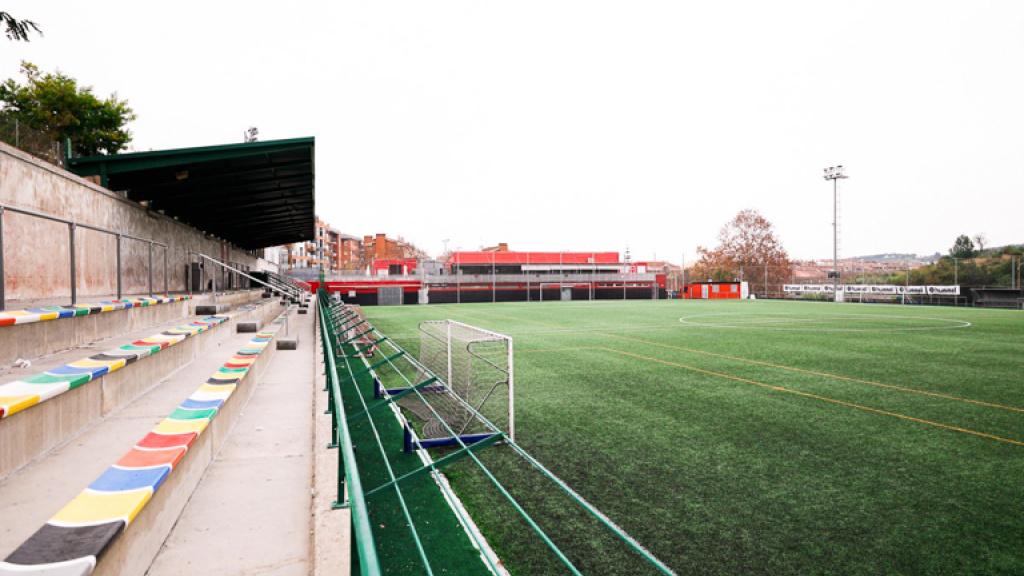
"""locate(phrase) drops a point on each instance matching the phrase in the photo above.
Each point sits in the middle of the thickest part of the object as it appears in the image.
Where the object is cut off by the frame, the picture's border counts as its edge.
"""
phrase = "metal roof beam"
(203, 198)
(194, 186)
(260, 203)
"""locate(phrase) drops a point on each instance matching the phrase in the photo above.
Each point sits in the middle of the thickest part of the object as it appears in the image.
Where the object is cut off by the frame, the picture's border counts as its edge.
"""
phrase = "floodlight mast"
(835, 173)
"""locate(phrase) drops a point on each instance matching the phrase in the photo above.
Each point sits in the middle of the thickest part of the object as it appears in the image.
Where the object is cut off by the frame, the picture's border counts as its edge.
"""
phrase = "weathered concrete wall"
(37, 255)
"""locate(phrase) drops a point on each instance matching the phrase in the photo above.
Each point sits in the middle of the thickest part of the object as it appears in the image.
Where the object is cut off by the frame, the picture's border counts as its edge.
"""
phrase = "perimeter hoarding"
(872, 289)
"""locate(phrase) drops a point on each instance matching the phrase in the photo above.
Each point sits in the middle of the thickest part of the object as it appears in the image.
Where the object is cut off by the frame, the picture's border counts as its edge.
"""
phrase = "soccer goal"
(564, 289)
(477, 395)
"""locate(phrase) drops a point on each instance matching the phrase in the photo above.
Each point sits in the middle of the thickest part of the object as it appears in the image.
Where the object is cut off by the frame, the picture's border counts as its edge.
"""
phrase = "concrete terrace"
(242, 503)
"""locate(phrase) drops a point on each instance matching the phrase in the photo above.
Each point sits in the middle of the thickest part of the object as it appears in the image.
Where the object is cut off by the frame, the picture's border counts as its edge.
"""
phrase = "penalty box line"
(815, 373)
(816, 397)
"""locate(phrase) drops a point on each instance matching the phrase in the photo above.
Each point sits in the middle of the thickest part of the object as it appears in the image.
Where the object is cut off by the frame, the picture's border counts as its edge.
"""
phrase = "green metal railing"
(349, 337)
(349, 481)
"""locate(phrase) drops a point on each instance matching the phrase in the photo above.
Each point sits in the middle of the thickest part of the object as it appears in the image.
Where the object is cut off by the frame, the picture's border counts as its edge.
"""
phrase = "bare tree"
(980, 240)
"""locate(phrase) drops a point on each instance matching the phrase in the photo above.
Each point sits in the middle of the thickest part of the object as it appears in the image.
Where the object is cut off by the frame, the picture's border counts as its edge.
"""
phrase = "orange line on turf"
(561, 349)
(825, 374)
(518, 319)
(816, 397)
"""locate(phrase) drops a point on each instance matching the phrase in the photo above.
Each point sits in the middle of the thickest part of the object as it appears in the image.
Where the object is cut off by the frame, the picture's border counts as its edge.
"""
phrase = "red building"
(714, 291)
(500, 275)
(507, 262)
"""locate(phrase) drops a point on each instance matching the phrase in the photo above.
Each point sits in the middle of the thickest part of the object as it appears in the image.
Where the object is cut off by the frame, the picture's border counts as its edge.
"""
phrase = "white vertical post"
(593, 272)
(511, 394)
(448, 350)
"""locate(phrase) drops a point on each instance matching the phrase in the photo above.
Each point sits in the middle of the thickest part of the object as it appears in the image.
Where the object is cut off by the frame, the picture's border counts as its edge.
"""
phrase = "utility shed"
(254, 194)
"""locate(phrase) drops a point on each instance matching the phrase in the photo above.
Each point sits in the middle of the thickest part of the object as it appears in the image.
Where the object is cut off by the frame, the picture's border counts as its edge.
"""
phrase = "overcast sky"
(590, 125)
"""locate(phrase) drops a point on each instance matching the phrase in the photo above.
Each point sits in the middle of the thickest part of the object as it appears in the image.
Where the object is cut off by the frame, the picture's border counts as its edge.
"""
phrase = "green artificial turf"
(377, 440)
(756, 437)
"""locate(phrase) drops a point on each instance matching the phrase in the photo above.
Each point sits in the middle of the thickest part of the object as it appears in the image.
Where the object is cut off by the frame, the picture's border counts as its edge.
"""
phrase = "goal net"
(476, 368)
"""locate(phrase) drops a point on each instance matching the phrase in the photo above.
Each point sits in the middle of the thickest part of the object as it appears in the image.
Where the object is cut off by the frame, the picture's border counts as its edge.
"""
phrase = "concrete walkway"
(251, 513)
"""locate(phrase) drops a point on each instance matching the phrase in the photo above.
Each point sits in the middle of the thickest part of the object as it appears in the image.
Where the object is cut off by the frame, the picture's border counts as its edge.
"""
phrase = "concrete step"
(36, 339)
(210, 309)
(261, 480)
(31, 432)
(35, 493)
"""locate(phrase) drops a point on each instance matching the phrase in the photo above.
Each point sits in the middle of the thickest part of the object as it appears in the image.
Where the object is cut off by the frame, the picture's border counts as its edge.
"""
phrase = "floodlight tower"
(835, 173)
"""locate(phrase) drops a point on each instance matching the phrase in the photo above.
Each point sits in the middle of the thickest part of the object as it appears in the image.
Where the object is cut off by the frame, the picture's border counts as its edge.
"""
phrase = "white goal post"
(475, 365)
(560, 286)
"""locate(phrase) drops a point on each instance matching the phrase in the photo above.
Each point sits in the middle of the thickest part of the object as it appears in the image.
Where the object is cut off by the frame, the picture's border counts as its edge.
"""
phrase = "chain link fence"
(42, 145)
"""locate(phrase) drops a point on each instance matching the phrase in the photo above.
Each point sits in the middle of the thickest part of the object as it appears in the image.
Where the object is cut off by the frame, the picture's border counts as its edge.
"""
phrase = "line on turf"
(812, 372)
(517, 319)
(816, 397)
(576, 349)
(504, 317)
(754, 324)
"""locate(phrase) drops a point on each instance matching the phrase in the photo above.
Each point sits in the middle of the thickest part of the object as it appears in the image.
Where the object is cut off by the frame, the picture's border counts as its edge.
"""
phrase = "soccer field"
(755, 437)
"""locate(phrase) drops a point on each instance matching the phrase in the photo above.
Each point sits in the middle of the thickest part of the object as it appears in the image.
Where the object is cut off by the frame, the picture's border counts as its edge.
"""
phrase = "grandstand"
(143, 401)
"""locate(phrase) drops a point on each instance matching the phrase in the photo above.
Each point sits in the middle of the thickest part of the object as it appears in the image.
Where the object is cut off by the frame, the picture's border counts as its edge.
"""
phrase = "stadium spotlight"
(835, 173)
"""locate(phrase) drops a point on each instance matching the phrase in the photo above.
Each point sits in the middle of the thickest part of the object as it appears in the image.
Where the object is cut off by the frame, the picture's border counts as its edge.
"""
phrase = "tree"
(56, 106)
(18, 29)
(747, 247)
(962, 248)
(980, 240)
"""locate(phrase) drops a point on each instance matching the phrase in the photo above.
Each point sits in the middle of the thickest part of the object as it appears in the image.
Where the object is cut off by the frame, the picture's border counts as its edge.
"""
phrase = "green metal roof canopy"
(255, 194)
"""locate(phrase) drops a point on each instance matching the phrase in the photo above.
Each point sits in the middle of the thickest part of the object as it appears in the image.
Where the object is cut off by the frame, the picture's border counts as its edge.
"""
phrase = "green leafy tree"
(54, 105)
(18, 29)
(962, 248)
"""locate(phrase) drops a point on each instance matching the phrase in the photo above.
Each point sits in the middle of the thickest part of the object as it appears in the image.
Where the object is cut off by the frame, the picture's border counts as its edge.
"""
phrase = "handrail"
(72, 226)
(294, 293)
(303, 287)
(79, 224)
(295, 281)
(368, 563)
(290, 282)
(284, 282)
